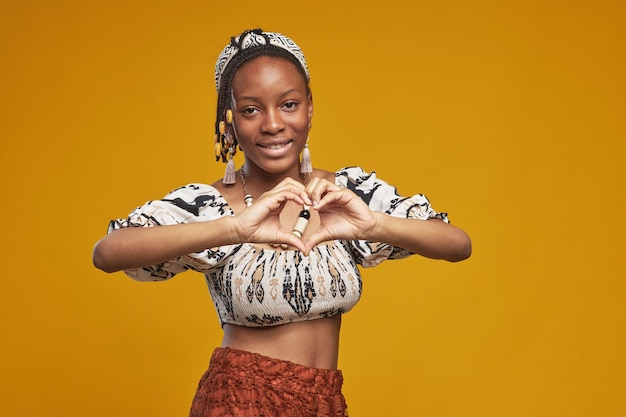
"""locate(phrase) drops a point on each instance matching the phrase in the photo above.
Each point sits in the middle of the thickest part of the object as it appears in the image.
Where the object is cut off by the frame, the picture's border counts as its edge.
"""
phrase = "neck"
(265, 181)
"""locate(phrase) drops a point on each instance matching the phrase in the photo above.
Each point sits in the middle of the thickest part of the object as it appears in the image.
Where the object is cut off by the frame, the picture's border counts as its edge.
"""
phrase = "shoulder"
(376, 193)
(321, 173)
(192, 191)
(195, 199)
(355, 175)
(342, 176)
(189, 203)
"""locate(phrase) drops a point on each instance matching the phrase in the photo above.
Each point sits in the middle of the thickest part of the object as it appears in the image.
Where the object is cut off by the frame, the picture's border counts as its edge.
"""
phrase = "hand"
(343, 215)
(260, 223)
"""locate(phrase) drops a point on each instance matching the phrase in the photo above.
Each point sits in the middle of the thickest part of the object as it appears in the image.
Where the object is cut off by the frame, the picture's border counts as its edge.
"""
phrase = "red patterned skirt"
(247, 384)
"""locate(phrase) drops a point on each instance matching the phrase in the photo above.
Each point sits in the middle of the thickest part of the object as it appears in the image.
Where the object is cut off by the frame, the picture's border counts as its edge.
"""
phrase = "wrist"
(377, 232)
(234, 230)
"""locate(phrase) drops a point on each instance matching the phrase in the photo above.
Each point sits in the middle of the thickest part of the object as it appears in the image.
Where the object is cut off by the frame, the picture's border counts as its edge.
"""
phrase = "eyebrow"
(254, 98)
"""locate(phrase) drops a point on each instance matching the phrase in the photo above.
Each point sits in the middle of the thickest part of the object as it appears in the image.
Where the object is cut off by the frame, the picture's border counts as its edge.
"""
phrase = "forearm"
(430, 238)
(136, 247)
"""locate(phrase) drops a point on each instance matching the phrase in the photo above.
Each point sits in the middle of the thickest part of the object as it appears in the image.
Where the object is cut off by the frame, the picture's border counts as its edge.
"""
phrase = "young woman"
(278, 240)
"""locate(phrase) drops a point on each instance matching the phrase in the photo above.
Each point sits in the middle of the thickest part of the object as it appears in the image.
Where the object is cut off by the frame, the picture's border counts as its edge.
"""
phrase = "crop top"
(253, 286)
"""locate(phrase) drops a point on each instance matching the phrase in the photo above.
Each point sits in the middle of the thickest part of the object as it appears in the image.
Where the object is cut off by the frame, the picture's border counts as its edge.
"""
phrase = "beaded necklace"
(303, 217)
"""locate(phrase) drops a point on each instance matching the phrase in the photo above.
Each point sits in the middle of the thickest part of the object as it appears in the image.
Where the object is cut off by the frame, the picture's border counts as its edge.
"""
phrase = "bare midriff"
(313, 343)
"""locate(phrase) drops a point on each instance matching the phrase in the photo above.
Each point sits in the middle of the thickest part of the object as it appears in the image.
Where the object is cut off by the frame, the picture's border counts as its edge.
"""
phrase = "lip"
(275, 147)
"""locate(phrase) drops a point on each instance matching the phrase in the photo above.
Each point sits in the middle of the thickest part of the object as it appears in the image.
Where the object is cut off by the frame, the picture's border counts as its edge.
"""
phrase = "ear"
(310, 106)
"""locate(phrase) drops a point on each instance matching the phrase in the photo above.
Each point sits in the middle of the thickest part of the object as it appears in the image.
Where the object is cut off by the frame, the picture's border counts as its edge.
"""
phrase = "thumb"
(292, 240)
(313, 240)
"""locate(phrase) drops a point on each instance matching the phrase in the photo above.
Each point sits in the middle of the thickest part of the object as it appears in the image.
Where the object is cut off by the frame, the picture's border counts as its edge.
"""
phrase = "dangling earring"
(227, 140)
(229, 175)
(305, 164)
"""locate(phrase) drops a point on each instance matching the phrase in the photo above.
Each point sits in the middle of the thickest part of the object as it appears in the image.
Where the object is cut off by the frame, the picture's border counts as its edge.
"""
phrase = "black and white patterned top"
(253, 286)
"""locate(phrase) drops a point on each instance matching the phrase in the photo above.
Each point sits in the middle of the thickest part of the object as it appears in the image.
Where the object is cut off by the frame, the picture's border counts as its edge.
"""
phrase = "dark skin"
(272, 114)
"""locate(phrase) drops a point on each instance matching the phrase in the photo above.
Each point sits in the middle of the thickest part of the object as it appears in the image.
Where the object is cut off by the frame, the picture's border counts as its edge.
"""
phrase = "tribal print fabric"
(253, 286)
(251, 39)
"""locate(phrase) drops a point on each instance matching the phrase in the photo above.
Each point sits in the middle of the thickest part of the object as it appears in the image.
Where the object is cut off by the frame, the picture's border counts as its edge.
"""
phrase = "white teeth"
(278, 146)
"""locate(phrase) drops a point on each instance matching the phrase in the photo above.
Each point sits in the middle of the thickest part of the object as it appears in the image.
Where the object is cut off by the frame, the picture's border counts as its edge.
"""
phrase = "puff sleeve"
(382, 197)
(187, 204)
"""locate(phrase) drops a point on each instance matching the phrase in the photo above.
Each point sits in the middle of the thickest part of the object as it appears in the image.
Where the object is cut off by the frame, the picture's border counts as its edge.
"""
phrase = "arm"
(344, 215)
(430, 238)
(136, 247)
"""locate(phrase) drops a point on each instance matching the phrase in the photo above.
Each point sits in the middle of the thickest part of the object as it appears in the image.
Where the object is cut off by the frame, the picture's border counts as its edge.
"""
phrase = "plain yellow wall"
(508, 115)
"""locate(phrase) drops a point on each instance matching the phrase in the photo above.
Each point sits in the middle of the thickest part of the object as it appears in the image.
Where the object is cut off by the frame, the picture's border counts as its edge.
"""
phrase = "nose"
(272, 122)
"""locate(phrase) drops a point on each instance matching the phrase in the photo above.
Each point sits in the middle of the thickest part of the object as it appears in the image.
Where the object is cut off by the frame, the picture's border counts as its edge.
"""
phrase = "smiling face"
(272, 113)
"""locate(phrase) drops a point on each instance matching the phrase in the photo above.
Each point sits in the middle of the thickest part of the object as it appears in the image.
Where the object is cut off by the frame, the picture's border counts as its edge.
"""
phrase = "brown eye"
(290, 105)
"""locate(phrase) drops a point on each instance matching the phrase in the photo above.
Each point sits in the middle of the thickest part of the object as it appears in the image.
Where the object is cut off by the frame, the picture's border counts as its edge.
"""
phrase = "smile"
(275, 145)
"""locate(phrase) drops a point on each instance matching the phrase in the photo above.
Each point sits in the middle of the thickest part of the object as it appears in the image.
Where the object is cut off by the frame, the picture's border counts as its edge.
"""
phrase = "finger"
(291, 186)
(279, 198)
(334, 198)
(318, 188)
(312, 183)
(315, 239)
(291, 240)
(300, 189)
(289, 183)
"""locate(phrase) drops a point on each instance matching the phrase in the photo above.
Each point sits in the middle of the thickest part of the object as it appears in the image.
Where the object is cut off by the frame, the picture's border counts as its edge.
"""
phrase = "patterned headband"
(250, 39)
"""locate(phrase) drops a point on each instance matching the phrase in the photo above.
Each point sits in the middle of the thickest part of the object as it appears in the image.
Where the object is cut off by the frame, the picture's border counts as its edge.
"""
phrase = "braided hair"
(242, 57)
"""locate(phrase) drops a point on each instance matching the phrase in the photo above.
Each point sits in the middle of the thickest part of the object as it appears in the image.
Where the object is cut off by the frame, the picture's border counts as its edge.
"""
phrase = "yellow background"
(508, 115)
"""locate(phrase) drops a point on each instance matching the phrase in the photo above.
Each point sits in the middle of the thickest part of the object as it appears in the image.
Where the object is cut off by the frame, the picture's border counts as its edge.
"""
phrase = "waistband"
(276, 372)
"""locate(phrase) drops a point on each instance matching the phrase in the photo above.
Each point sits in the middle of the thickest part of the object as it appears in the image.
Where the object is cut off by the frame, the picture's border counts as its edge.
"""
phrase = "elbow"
(101, 257)
(462, 249)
